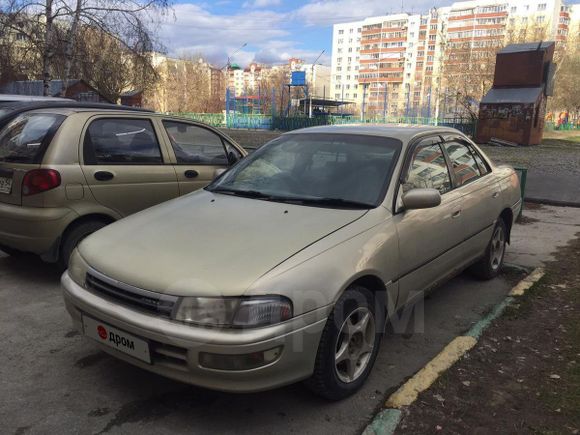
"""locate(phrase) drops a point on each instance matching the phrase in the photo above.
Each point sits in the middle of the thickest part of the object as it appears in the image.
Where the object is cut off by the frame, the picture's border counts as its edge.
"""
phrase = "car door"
(126, 168)
(199, 153)
(480, 193)
(428, 238)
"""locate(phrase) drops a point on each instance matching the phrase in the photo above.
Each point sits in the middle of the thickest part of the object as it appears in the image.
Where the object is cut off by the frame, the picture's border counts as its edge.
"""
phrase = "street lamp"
(312, 79)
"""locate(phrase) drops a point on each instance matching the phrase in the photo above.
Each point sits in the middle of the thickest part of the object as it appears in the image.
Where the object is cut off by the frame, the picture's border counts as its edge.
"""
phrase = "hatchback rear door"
(199, 152)
(23, 142)
(126, 167)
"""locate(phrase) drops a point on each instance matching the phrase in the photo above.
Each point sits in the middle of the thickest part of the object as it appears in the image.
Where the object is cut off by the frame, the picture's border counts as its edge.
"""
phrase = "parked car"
(29, 98)
(287, 267)
(69, 169)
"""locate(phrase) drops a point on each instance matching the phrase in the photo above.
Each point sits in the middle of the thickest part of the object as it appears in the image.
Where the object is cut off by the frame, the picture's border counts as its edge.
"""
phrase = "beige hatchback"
(66, 172)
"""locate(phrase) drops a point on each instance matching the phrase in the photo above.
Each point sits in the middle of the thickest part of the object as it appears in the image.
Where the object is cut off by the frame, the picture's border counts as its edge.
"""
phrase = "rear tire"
(73, 237)
(490, 265)
(348, 346)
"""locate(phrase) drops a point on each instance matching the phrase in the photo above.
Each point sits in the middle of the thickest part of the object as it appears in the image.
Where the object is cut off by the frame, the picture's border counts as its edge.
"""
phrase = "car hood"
(207, 244)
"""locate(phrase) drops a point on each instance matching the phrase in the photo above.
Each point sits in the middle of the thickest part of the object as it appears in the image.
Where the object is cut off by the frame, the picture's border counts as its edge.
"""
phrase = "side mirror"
(421, 198)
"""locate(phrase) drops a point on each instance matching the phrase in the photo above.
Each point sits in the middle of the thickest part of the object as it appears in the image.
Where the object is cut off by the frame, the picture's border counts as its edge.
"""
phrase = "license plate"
(5, 185)
(117, 339)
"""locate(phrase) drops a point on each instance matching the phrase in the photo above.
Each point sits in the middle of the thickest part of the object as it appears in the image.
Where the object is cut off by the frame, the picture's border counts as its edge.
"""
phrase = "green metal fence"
(258, 121)
(213, 119)
(551, 126)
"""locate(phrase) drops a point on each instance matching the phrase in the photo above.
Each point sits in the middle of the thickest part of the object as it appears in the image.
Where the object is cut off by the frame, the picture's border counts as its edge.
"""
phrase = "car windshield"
(23, 139)
(334, 170)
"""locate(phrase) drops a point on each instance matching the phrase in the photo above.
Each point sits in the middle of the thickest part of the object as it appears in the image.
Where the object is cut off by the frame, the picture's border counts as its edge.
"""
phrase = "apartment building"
(247, 81)
(405, 64)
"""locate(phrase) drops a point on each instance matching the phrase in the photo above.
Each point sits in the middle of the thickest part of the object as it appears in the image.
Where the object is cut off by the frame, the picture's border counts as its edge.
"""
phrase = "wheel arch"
(100, 217)
(507, 215)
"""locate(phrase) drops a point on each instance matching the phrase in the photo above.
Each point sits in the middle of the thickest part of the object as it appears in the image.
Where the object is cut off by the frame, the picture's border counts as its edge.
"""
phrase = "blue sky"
(274, 30)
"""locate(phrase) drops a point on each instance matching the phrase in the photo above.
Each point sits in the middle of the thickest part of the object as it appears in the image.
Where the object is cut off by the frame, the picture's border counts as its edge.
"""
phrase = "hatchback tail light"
(40, 180)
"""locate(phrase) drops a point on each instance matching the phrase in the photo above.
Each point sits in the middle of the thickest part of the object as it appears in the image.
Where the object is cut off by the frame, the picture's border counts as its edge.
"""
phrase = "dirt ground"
(524, 374)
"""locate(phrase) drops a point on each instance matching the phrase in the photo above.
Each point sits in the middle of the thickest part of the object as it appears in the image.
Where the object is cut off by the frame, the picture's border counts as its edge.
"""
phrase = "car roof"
(403, 132)
(15, 98)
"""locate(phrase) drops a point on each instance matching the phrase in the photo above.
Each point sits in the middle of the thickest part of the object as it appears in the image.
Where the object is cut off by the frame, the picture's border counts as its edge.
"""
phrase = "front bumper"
(32, 229)
(175, 347)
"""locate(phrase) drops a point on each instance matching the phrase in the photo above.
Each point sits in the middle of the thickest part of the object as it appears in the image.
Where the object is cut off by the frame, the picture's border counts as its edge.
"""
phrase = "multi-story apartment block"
(405, 63)
(247, 81)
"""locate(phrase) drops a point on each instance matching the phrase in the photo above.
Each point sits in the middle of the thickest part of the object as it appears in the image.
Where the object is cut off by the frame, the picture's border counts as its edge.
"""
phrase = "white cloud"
(196, 30)
(328, 12)
(260, 4)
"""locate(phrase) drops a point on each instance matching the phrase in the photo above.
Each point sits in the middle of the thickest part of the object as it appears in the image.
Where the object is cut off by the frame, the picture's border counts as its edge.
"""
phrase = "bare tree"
(107, 65)
(567, 79)
(127, 21)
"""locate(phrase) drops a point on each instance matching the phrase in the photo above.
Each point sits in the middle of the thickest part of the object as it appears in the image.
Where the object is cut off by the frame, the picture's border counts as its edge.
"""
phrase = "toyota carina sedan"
(287, 266)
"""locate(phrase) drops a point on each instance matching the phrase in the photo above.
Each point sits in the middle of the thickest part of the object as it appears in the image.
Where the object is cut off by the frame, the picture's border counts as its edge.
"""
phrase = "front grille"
(134, 297)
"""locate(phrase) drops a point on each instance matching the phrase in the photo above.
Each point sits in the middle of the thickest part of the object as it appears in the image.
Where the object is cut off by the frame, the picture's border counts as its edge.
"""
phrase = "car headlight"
(77, 268)
(234, 312)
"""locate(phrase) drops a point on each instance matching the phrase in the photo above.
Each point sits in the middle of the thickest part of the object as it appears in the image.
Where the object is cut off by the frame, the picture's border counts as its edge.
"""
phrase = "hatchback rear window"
(25, 138)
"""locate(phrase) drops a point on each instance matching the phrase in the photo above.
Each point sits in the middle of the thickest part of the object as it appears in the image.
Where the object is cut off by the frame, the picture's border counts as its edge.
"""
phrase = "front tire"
(349, 345)
(491, 264)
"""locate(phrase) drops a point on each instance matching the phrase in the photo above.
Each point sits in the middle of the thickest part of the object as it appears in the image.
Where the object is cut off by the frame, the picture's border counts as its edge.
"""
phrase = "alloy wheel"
(355, 344)
(497, 247)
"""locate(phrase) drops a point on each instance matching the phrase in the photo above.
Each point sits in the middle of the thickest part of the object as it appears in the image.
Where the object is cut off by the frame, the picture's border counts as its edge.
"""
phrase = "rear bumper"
(32, 229)
(298, 337)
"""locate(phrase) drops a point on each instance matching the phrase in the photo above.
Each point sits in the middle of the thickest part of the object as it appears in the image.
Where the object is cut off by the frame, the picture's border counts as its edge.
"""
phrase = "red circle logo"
(102, 332)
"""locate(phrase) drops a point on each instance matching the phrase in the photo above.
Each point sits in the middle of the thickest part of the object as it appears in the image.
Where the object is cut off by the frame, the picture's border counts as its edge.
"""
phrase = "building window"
(354, 95)
(542, 7)
(513, 9)
(341, 32)
(540, 19)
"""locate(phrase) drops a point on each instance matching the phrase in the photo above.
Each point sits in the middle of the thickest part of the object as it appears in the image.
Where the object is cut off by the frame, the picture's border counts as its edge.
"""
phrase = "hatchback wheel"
(492, 262)
(348, 346)
(73, 237)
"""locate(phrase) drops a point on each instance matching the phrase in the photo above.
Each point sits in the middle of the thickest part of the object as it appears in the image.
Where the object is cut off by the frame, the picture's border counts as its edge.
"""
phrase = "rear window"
(25, 138)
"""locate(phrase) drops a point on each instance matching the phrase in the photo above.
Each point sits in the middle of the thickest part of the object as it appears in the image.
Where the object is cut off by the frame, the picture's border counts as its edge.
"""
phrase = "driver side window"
(195, 145)
(428, 170)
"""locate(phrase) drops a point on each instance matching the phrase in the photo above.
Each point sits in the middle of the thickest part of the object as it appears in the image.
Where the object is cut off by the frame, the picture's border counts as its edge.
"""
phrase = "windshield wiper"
(331, 202)
(244, 193)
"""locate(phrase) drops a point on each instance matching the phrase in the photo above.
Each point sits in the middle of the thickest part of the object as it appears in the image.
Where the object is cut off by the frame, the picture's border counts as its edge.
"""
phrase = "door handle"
(456, 214)
(191, 173)
(495, 194)
(104, 175)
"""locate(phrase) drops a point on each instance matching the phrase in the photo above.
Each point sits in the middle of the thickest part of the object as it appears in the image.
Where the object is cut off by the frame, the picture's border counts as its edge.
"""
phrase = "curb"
(554, 202)
(387, 420)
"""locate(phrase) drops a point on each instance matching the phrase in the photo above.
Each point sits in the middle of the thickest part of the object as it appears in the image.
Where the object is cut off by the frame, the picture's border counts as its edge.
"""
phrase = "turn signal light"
(40, 180)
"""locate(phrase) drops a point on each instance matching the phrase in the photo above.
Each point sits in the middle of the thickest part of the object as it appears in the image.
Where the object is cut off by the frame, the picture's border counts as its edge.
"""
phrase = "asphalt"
(553, 189)
(52, 380)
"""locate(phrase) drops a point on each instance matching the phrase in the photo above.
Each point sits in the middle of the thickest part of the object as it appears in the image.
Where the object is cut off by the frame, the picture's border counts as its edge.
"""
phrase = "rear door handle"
(495, 194)
(456, 214)
(191, 173)
(104, 175)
